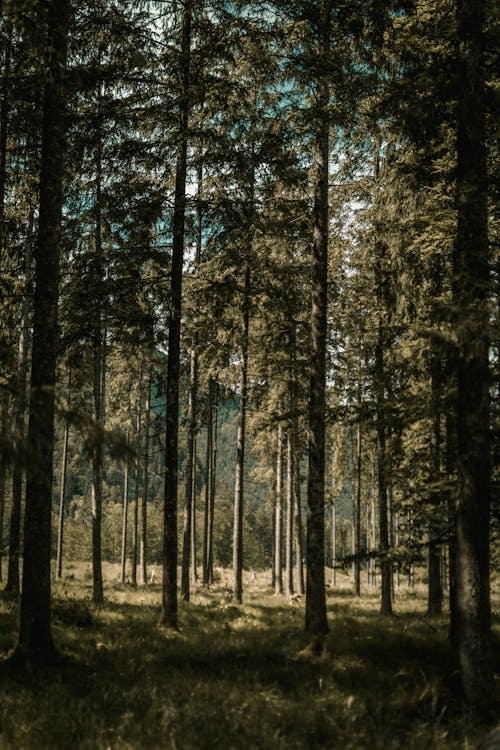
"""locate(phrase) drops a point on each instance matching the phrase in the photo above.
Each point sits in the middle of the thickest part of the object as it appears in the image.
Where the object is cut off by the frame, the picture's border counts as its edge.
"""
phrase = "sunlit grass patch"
(230, 678)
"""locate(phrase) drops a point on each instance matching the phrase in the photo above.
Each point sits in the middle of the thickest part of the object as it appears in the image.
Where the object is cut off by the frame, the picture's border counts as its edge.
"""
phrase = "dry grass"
(235, 676)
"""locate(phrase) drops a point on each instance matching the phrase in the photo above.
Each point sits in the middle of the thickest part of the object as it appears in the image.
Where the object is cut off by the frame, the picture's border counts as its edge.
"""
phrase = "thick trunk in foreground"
(471, 297)
(316, 621)
(35, 642)
(168, 615)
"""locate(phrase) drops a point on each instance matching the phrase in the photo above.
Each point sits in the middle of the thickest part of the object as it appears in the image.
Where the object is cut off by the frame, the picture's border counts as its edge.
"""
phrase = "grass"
(234, 676)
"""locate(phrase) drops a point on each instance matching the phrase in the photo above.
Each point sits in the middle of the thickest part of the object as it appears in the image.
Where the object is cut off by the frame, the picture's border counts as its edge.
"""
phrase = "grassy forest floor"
(234, 676)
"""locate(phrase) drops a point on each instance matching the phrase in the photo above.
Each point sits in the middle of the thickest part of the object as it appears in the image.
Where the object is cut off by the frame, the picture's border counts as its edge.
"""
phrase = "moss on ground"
(234, 676)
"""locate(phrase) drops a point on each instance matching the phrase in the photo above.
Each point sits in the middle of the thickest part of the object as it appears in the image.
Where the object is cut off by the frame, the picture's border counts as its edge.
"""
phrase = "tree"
(35, 642)
(471, 294)
(316, 621)
(169, 599)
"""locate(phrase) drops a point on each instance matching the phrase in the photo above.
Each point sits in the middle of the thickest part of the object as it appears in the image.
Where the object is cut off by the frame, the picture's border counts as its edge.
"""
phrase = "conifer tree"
(35, 637)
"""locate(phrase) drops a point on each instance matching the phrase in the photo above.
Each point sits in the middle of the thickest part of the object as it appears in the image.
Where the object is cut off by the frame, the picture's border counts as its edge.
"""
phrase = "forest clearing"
(236, 676)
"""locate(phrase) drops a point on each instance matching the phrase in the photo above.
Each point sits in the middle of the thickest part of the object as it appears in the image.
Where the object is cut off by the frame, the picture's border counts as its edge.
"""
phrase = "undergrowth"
(234, 676)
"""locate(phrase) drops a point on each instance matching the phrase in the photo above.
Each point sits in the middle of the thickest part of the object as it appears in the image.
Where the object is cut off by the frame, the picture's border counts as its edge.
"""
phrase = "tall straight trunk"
(188, 506)
(98, 348)
(35, 636)
(169, 590)
(96, 485)
(357, 515)
(451, 468)
(194, 567)
(290, 511)
(471, 294)
(19, 408)
(316, 621)
(207, 537)
(143, 572)
(62, 491)
(187, 535)
(434, 590)
(124, 519)
(137, 477)
(299, 555)
(380, 384)
(278, 515)
(240, 448)
(294, 437)
(383, 501)
(213, 475)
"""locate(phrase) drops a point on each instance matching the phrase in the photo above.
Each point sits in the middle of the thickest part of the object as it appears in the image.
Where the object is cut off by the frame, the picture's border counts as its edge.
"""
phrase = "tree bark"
(240, 450)
(19, 409)
(471, 298)
(124, 520)
(213, 475)
(278, 516)
(143, 567)
(168, 615)
(35, 642)
(357, 515)
(62, 492)
(194, 567)
(316, 620)
(290, 512)
(434, 591)
(207, 536)
(137, 478)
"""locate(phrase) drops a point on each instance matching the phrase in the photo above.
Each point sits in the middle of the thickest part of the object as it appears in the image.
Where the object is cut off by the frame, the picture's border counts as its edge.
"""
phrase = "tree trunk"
(169, 591)
(188, 507)
(194, 569)
(207, 537)
(471, 299)
(278, 516)
(383, 509)
(62, 492)
(19, 408)
(124, 520)
(357, 515)
(137, 477)
(299, 555)
(213, 474)
(434, 591)
(240, 450)
(35, 642)
(290, 510)
(143, 568)
(316, 621)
